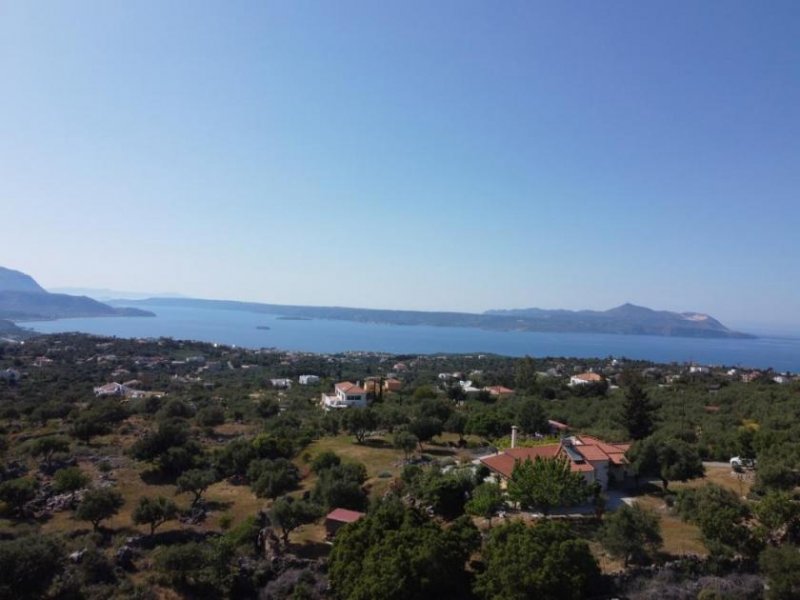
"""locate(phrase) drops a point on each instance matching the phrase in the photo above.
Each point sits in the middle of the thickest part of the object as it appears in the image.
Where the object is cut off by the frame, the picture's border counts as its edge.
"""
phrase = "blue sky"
(448, 155)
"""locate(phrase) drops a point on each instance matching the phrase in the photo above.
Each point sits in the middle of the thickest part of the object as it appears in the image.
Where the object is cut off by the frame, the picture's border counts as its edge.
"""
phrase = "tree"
(405, 441)
(425, 428)
(18, 492)
(525, 375)
(46, 447)
(545, 562)
(234, 458)
(545, 483)
(398, 553)
(446, 493)
(360, 422)
(288, 514)
(99, 504)
(198, 569)
(631, 533)
(781, 566)
(722, 518)
(70, 480)
(532, 418)
(638, 412)
(456, 393)
(775, 473)
(154, 512)
(85, 428)
(424, 392)
(779, 515)
(456, 423)
(340, 487)
(28, 566)
(671, 459)
(178, 459)
(486, 500)
(325, 460)
(210, 416)
(271, 478)
(195, 481)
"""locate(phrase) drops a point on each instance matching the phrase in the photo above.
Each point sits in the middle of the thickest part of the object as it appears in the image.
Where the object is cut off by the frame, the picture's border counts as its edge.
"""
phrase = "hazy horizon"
(754, 327)
(457, 156)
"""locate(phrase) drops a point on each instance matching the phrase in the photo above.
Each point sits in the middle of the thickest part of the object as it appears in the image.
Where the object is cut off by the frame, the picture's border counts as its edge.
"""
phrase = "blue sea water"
(328, 336)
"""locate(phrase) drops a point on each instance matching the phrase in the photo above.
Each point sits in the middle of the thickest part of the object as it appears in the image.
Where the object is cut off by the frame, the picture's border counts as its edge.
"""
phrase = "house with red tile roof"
(585, 378)
(499, 391)
(338, 518)
(346, 394)
(596, 460)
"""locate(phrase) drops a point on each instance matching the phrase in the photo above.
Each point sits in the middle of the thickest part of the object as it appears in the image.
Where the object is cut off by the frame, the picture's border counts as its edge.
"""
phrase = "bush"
(28, 566)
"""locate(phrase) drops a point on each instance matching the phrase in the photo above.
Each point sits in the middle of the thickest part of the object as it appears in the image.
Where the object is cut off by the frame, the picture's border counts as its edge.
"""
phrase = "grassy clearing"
(722, 476)
(679, 537)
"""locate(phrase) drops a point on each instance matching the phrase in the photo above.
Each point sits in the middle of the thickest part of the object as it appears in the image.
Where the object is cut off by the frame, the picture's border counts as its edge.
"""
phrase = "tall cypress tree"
(638, 412)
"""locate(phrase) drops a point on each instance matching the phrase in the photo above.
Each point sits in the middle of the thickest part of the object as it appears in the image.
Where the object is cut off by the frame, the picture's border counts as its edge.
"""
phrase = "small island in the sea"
(264, 327)
(285, 318)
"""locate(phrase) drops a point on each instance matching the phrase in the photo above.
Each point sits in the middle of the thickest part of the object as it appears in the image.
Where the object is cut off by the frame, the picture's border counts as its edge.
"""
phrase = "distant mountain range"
(22, 299)
(104, 294)
(625, 319)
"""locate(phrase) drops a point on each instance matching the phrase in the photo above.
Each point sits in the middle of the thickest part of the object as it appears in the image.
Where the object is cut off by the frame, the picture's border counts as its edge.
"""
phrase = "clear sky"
(430, 155)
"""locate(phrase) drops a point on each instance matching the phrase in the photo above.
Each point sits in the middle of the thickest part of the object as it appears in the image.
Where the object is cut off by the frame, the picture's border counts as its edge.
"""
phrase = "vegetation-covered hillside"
(203, 476)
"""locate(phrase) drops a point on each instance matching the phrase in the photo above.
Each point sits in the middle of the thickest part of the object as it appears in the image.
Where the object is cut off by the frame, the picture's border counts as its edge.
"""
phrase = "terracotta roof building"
(585, 378)
(339, 517)
(499, 391)
(346, 395)
(596, 460)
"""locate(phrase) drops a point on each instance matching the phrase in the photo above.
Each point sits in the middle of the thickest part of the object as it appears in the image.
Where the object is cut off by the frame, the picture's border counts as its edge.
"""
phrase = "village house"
(499, 391)
(392, 385)
(345, 395)
(374, 385)
(338, 518)
(585, 378)
(124, 390)
(281, 383)
(596, 460)
(308, 379)
(111, 389)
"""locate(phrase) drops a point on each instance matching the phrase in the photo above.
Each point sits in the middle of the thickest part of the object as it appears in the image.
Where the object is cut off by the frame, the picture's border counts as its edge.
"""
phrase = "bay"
(238, 328)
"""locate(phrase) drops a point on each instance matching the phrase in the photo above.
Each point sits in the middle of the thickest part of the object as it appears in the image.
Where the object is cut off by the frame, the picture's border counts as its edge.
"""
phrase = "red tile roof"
(591, 452)
(590, 448)
(499, 390)
(589, 376)
(348, 387)
(504, 462)
(344, 515)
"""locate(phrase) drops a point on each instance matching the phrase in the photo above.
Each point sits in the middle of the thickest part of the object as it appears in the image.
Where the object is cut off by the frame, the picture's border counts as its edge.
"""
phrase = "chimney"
(513, 436)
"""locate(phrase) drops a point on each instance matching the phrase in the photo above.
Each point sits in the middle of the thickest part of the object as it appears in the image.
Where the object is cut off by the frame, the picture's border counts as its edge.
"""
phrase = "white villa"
(585, 379)
(308, 379)
(345, 395)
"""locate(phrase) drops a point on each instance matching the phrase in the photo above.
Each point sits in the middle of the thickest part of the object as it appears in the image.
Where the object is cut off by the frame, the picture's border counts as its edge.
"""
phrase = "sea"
(256, 330)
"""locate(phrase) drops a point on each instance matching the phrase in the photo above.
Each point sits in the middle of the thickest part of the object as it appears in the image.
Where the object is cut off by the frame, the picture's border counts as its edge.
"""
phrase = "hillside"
(16, 281)
(21, 298)
(626, 319)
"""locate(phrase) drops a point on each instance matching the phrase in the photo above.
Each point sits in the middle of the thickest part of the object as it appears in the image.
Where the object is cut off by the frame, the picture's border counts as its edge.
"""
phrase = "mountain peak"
(16, 281)
(630, 310)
